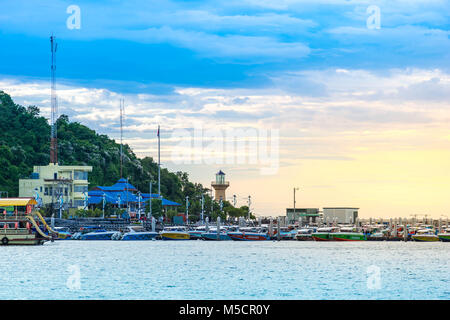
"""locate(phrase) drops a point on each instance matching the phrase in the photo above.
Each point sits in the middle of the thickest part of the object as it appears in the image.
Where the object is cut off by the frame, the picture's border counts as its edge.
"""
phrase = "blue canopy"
(125, 192)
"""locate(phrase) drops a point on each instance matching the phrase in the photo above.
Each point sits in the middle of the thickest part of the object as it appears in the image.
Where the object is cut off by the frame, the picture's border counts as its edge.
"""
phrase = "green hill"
(25, 142)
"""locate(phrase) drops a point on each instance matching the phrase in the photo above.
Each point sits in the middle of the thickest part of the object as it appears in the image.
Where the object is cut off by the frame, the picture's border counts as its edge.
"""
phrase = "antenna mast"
(121, 136)
(54, 109)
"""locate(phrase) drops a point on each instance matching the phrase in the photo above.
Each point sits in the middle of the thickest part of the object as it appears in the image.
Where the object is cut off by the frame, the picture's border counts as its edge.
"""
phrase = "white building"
(343, 215)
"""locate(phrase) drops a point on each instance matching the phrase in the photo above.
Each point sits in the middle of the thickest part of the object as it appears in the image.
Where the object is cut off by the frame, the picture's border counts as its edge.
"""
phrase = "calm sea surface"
(225, 270)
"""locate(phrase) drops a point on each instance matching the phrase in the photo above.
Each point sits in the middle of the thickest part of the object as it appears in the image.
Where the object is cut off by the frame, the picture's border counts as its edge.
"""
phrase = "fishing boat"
(175, 233)
(323, 234)
(17, 224)
(347, 234)
(304, 235)
(138, 233)
(444, 236)
(425, 235)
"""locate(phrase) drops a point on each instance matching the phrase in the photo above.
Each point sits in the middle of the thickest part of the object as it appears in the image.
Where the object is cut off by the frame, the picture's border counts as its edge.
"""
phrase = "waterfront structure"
(301, 215)
(220, 185)
(53, 182)
(124, 195)
(345, 215)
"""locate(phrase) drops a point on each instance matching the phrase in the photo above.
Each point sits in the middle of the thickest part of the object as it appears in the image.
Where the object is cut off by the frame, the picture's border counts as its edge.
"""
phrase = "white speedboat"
(138, 233)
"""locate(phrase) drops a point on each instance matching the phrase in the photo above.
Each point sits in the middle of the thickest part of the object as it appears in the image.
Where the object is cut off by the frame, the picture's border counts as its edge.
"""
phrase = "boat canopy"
(17, 202)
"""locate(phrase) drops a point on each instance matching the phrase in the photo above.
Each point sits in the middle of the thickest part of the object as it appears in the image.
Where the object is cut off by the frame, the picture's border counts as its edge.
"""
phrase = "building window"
(46, 191)
(40, 189)
(66, 191)
(80, 175)
(78, 203)
(80, 188)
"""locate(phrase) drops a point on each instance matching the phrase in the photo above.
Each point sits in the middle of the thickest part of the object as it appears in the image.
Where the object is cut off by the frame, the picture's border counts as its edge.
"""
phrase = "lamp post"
(139, 204)
(294, 204)
(203, 208)
(187, 210)
(103, 205)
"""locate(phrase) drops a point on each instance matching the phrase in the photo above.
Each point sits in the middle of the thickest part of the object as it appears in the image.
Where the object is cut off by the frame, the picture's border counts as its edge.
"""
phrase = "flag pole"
(159, 165)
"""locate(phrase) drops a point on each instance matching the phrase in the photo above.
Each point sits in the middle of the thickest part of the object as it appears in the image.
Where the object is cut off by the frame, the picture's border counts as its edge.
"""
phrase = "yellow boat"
(425, 235)
(175, 233)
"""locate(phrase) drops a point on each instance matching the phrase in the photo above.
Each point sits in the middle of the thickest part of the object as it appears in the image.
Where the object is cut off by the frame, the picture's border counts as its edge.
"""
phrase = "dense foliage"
(24, 142)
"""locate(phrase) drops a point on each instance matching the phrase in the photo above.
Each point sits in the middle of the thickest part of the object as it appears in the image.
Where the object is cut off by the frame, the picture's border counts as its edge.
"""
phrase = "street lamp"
(295, 188)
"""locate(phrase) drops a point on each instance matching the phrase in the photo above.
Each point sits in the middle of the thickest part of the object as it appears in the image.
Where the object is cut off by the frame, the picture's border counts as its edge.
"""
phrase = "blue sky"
(339, 93)
(216, 43)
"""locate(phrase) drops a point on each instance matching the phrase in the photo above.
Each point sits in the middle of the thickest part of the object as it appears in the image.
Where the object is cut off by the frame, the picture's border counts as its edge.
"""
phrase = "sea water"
(225, 270)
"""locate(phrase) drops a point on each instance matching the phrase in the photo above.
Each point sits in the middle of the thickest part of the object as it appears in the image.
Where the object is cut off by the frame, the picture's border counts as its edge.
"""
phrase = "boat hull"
(97, 236)
(213, 236)
(175, 236)
(304, 237)
(321, 237)
(139, 236)
(444, 237)
(29, 239)
(242, 236)
(338, 236)
(195, 235)
(425, 238)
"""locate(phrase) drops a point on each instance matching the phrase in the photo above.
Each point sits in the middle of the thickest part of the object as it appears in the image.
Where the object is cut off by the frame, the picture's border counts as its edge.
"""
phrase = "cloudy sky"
(352, 114)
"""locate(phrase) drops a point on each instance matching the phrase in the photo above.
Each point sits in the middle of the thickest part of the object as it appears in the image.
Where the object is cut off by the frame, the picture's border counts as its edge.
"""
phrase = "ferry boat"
(347, 234)
(425, 235)
(175, 233)
(138, 233)
(324, 234)
(445, 236)
(17, 225)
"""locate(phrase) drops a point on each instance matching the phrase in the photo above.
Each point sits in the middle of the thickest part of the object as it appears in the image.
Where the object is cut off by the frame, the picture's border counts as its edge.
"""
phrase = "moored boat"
(425, 235)
(63, 233)
(248, 236)
(304, 235)
(197, 233)
(98, 235)
(17, 225)
(323, 234)
(213, 236)
(175, 233)
(85, 230)
(134, 233)
(347, 234)
(444, 236)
